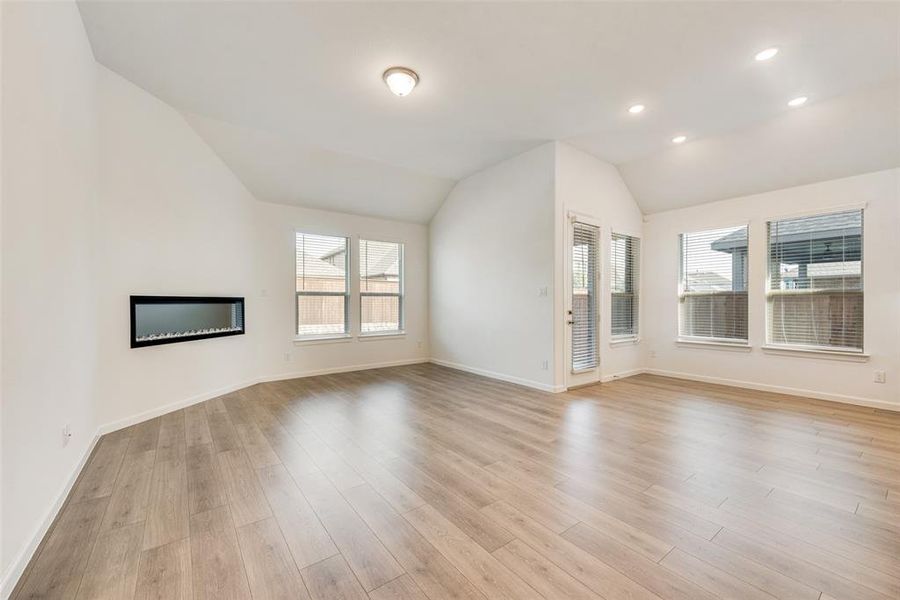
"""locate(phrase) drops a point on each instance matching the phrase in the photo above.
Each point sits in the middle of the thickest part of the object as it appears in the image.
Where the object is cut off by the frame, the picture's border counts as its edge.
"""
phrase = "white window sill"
(624, 341)
(584, 370)
(844, 355)
(322, 339)
(714, 345)
(379, 335)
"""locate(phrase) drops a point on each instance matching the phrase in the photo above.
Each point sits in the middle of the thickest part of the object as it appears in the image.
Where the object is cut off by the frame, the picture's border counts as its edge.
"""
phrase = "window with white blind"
(713, 289)
(815, 283)
(625, 260)
(585, 241)
(380, 286)
(322, 285)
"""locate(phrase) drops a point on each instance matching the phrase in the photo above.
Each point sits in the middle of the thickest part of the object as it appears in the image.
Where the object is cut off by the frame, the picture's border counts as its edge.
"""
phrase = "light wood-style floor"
(423, 482)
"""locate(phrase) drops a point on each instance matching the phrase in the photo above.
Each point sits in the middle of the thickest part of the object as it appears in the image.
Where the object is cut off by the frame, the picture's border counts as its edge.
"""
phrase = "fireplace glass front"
(169, 319)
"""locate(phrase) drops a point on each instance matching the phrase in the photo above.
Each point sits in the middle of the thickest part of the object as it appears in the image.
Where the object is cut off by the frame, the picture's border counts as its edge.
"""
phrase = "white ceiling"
(284, 169)
(848, 135)
(290, 94)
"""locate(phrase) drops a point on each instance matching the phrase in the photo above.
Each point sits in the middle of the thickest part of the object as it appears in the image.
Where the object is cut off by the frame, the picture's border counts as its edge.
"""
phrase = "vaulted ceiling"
(290, 94)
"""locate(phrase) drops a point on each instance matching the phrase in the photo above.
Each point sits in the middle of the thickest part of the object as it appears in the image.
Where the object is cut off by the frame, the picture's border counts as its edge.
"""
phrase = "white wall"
(109, 192)
(274, 295)
(3, 559)
(849, 381)
(497, 240)
(588, 186)
(492, 252)
(49, 305)
(174, 221)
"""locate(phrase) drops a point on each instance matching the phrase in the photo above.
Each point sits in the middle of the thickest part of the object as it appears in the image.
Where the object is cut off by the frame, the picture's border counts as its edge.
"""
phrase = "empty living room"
(459, 300)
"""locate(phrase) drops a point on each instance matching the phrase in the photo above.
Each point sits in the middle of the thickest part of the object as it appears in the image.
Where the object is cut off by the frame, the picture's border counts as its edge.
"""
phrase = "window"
(625, 259)
(323, 287)
(380, 286)
(713, 289)
(815, 284)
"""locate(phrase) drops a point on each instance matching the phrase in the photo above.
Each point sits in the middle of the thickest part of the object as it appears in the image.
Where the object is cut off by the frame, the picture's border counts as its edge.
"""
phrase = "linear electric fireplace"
(169, 319)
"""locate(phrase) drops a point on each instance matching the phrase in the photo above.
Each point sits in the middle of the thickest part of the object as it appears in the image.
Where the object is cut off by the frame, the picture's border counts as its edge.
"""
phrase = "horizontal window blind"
(713, 295)
(625, 260)
(815, 282)
(585, 240)
(322, 284)
(380, 286)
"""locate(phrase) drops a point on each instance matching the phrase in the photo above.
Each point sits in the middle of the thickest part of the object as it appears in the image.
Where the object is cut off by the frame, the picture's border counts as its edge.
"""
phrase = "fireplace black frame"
(135, 300)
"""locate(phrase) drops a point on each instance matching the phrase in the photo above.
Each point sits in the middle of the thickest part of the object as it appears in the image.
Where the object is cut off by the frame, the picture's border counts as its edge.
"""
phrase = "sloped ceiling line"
(290, 95)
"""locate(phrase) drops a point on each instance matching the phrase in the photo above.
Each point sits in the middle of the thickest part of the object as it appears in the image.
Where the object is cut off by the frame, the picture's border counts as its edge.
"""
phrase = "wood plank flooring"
(422, 482)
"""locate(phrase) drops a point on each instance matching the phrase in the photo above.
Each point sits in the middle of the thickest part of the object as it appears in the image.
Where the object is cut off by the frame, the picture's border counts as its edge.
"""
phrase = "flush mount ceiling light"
(679, 139)
(400, 80)
(798, 101)
(766, 54)
(637, 108)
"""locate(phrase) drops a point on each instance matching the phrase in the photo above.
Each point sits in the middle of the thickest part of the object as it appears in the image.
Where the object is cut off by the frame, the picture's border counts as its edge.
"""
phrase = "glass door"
(582, 313)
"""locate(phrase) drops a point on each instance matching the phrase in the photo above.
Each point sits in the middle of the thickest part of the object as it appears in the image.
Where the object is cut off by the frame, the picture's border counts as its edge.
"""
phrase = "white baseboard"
(545, 387)
(344, 369)
(184, 403)
(18, 564)
(17, 567)
(621, 375)
(778, 389)
(172, 406)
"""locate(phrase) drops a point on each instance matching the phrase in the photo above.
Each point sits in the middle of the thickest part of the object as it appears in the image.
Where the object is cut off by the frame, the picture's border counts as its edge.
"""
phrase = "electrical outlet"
(653, 354)
(545, 364)
(287, 357)
(880, 376)
(419, 344)
(542, 292)
(66, 434)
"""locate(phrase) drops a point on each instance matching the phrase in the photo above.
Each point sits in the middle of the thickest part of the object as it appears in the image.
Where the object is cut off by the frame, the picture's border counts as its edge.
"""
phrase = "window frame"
(347, 293)
(635, 294)
(400, 294)
(711, 341)
(769, 292)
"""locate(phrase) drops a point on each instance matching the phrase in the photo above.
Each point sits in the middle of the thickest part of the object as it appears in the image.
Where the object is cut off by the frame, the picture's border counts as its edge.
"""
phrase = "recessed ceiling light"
(400, 80)
(766, 54)
(679, 139)
(798, 101)
(637, 108)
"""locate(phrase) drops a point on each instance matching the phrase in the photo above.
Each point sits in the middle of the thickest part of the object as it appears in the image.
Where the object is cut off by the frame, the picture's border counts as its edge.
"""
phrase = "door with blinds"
(582, 322)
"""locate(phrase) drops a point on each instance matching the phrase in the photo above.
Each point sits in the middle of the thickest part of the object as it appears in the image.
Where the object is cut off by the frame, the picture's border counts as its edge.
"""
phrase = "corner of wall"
(495, 233)
(49, 116)
(559, 271)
